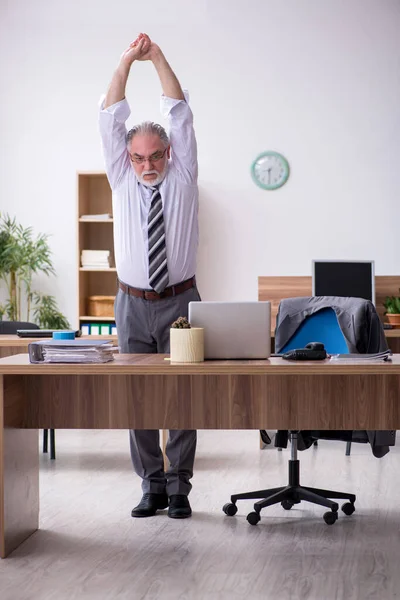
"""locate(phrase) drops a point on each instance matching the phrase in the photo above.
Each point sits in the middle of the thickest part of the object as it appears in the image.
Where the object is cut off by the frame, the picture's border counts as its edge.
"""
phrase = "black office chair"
(371, 339)
(324, 325)
(10, 328)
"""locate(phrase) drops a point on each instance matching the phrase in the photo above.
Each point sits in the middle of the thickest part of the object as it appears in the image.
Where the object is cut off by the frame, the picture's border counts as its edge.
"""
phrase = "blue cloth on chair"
(322, 327)
(357, 319)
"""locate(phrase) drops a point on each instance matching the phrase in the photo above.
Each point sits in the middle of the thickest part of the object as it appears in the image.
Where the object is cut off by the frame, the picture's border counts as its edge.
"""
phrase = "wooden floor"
(89, 547)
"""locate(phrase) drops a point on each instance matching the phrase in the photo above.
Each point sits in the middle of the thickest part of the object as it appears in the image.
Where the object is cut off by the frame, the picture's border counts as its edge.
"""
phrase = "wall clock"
(270, 170)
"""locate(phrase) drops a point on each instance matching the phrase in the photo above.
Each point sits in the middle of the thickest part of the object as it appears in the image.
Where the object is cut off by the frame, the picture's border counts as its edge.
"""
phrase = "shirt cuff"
(167, 104)
(120, 110)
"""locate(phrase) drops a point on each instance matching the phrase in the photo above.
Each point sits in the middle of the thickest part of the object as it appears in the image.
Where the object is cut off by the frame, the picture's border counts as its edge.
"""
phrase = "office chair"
(10, 328)
(323, 327)
(319, 327)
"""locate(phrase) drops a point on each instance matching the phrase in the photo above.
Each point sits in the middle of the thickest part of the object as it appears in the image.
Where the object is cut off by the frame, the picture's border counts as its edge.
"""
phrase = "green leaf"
(392, 305)
(21, 256)
(46, 313)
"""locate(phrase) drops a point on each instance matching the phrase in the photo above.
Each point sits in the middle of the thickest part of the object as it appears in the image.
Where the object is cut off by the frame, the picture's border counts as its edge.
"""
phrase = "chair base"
(293, 494)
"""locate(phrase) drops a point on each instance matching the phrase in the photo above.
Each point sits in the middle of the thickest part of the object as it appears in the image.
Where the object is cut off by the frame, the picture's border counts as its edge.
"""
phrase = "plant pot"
(187, 345)
(394, 319)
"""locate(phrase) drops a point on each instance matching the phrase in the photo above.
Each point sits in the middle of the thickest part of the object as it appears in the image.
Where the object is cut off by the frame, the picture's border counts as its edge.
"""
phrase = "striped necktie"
(158, 270)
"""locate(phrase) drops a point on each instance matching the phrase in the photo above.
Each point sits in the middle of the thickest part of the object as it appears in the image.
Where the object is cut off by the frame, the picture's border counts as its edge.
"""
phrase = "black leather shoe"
(150, 504)
(179, 507)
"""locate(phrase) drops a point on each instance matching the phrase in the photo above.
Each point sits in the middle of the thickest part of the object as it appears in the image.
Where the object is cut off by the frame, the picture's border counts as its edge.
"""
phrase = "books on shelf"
(98, 329)
(95, 259)
(102, 217)
(71, 351)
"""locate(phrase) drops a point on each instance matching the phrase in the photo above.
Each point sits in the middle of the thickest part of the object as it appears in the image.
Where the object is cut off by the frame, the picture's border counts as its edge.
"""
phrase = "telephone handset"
(312, 351)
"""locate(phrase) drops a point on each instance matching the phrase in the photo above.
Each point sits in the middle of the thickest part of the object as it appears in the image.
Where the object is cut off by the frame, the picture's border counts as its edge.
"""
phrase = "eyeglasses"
(155, 157)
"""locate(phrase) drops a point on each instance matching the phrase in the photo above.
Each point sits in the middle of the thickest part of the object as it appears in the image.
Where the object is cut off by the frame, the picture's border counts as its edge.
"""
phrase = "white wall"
(317, 81)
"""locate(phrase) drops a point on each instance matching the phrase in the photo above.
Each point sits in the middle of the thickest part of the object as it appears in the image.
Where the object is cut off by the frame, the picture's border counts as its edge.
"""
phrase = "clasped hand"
(140, 49)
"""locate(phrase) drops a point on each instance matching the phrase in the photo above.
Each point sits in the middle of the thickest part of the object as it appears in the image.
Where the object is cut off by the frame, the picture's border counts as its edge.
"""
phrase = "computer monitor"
(348, 278)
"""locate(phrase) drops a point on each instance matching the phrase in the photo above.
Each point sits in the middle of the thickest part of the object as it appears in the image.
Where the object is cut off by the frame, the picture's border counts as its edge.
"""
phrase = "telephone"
(312, 351)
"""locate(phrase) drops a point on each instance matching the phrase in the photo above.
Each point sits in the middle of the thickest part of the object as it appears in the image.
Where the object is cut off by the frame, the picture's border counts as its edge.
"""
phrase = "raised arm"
(175, 108)
(150, 51)
(135, 51)
(169, 82)
(114, 111)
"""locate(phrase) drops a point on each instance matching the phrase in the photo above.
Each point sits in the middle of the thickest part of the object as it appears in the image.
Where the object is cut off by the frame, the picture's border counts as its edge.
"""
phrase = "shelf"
(110, 270)
(94, 198)
(96, 220)
(86, 318)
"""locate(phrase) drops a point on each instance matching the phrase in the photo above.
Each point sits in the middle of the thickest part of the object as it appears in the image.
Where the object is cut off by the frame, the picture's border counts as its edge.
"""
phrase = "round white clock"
(270, 170)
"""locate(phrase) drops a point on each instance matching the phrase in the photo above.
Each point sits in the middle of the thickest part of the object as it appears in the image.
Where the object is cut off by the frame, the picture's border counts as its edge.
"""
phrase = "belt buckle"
(150, 295)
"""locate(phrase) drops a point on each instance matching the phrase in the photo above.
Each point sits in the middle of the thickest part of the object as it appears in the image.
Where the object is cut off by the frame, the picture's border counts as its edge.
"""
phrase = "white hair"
(148, 128)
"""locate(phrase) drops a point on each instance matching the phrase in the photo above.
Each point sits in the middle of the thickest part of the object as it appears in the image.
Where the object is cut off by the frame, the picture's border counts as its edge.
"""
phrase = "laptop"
(233, 330)
(40, 333)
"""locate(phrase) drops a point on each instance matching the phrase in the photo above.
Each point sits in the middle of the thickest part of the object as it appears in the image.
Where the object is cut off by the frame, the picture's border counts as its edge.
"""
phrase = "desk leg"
(19, 470)
(164, 439)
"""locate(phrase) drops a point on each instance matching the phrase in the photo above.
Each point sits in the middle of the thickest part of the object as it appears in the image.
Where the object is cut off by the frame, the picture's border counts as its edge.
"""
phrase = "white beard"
(152, 182)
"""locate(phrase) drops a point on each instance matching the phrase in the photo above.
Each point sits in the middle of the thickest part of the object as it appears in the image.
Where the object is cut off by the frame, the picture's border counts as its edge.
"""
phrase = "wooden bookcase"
(94, 197)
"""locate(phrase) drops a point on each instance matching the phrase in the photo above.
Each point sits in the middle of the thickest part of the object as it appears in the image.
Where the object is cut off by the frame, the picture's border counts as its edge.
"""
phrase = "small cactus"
(181, 323)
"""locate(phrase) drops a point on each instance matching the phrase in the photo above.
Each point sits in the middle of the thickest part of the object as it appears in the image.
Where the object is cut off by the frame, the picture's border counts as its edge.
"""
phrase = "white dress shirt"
(131, 199)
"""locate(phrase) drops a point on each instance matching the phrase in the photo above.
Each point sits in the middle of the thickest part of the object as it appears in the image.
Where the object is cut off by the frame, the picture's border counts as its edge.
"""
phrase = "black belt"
(172, 290)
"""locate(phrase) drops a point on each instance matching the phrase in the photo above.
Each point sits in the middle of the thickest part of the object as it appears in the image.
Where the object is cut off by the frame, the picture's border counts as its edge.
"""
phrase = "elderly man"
(155, 207)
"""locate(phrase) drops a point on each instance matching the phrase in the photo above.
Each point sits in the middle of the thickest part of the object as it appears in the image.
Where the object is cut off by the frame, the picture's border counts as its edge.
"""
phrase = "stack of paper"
(95, 259)
(72, 351)
(376, 357)
(103, 217)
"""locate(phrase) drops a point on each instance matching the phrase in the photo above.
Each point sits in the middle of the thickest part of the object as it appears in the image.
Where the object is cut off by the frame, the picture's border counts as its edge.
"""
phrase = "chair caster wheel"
(230, 509)
(286, 504)
(253, 518)
(348, 508)
(330, 517)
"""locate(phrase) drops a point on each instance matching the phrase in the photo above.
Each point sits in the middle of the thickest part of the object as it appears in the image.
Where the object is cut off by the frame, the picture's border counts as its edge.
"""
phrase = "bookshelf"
(94, 198)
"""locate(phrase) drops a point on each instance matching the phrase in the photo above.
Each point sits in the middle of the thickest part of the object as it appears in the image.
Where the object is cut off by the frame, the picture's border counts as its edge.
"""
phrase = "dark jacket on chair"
(363, 331)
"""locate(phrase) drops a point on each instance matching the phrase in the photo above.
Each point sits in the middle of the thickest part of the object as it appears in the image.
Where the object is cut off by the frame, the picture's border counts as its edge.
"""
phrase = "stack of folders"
(363, 358)
(71, 351)
(95, 259)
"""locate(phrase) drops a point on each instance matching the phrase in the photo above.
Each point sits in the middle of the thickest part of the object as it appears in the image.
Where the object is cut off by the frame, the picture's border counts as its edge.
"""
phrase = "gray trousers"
(143, 327)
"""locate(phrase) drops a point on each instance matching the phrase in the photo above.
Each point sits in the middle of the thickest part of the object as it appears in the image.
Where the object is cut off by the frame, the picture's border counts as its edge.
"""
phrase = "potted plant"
(21, 257)
(392, 306)
(186, 342)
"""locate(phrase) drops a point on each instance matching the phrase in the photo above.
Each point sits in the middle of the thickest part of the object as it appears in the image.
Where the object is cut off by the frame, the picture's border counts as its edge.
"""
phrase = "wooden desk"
(13, 344)
(146, 392)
